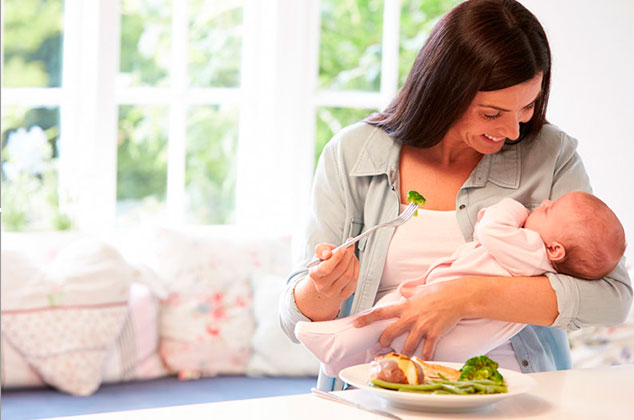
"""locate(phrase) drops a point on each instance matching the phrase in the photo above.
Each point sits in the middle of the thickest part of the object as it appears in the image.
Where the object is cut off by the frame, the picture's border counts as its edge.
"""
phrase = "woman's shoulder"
(551, 136)
(356, 135)
(551, 142)
(361, 140)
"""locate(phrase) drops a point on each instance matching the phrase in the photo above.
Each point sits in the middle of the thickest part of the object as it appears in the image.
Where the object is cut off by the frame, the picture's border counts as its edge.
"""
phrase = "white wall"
(592, 92)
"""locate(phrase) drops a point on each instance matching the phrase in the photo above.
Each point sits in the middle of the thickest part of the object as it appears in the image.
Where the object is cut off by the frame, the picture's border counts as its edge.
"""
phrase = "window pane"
(141, 162)
(330, 120)
(350, 45)
(212, 139)
(145, 43)
(30, 199)
(418, 18)
(215, 42)
(32, 42)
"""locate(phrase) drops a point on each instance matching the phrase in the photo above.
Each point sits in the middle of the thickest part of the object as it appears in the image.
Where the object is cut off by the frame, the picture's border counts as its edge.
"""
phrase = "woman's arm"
(437, 308)
(525, 300)
(583, 303)
(317, 294)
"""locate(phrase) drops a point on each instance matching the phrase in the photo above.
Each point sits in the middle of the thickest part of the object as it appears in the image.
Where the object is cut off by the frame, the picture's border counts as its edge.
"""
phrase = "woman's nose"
(511, 129)
(512, 123)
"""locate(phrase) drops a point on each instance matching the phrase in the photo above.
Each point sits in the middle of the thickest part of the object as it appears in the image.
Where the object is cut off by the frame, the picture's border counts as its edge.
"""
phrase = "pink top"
(422, 241)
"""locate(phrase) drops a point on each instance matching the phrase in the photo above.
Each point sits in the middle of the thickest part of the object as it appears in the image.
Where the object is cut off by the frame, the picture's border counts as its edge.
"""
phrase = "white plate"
(359, 377)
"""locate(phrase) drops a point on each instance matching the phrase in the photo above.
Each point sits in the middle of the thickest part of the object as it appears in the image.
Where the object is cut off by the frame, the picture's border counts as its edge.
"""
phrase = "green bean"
(421, 388)
(392, 385)
(454, 389)
(443, 377)
(445, 386)
(490, 389)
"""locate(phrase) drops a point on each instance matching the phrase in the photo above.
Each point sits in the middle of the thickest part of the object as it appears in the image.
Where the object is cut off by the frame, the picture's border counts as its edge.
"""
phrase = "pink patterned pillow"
(207, 321)
(64, 318)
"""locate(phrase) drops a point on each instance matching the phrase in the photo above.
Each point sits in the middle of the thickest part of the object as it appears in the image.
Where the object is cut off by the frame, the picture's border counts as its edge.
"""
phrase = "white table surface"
(600, 393)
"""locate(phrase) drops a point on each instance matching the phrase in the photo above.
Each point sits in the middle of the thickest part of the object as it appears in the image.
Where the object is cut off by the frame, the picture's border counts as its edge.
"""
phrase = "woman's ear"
(555, 251)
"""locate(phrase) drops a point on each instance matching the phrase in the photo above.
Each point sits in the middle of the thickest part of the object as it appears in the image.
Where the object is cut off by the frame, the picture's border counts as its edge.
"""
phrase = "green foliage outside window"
(32, 54)
(32, 43)
(141, 158)
(145, 49)
(418, 17)
(210, 175)
(215, 43)
(30, 196)
(350, 45)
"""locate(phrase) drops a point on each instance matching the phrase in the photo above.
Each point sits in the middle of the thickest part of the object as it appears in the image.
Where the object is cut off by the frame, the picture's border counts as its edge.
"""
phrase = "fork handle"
(349, 242)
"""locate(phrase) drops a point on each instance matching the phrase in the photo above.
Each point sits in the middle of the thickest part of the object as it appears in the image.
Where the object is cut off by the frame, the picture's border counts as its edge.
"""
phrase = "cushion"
(206, 321)
(134, 355)
(274, 354)
(16, 371)
(64, 317)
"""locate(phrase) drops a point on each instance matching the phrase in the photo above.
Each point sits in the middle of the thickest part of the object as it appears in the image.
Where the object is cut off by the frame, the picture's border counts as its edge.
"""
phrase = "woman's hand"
(329, 283)
(428, 314)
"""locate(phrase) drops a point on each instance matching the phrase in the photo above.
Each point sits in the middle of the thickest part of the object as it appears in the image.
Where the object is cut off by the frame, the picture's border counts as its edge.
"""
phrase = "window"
(177, 91)
(189, 111)
(31, 99)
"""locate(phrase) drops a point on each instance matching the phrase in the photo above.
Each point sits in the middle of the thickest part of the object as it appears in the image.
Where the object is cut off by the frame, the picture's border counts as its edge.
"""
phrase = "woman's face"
(494, 116)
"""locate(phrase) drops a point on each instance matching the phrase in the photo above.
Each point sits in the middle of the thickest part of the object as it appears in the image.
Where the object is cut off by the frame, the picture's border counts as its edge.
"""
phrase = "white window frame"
(278, 99)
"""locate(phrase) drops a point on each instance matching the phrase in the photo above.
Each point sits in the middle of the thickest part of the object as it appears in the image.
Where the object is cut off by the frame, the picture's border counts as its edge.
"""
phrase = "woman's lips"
(492, 139)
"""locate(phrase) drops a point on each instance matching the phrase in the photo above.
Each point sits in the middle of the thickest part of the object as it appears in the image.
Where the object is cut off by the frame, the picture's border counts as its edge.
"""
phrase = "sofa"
(155, 316)
(180, 315)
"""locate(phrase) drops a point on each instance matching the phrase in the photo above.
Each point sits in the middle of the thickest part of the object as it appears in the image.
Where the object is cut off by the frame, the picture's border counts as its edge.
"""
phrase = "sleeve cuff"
(290, 315)
(565, 288)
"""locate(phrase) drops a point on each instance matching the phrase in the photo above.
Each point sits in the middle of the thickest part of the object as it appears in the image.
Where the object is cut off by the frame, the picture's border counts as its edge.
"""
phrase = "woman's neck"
(447, 155)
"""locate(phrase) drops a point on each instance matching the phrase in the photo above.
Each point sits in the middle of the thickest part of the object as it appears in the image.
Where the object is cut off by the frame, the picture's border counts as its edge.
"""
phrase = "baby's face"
(550, 218)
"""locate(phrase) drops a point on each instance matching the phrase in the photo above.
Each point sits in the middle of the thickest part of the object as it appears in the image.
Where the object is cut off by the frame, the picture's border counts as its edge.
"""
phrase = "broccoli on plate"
(480, 367)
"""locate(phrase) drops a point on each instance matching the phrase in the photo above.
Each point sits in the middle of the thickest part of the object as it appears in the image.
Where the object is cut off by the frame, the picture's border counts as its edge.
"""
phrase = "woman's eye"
(491, 116)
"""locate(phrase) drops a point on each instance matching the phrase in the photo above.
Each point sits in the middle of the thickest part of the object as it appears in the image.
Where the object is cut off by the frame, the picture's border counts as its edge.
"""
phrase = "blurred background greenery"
(349, 60)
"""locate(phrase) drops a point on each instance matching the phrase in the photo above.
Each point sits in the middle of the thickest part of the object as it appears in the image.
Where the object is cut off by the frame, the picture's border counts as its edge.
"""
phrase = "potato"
(396, 368)
(387, 370)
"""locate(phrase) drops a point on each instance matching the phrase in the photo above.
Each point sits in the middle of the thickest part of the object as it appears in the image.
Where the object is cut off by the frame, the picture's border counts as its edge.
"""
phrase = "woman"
(467, 129)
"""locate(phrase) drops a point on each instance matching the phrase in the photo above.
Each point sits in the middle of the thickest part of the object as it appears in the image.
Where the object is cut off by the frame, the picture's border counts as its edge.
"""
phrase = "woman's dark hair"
(479, 45)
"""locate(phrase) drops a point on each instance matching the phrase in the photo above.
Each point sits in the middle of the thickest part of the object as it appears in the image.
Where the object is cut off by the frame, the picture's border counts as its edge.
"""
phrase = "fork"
(402, 218)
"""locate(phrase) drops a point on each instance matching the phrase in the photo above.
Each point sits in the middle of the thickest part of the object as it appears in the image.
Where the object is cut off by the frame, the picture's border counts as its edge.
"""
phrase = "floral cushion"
(206, 320)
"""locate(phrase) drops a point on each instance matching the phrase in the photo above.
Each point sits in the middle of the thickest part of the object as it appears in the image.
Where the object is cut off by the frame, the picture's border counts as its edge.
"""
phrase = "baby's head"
(583, 237)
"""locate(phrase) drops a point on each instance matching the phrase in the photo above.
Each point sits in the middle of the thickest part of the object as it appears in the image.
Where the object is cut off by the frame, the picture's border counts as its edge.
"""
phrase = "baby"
(577, 235)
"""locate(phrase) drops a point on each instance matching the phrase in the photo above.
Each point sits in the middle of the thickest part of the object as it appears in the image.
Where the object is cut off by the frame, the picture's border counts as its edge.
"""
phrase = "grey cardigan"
(357, 185)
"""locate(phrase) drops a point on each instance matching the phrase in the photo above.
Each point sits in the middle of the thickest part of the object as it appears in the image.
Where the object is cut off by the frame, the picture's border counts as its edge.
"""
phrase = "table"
(598, 393)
